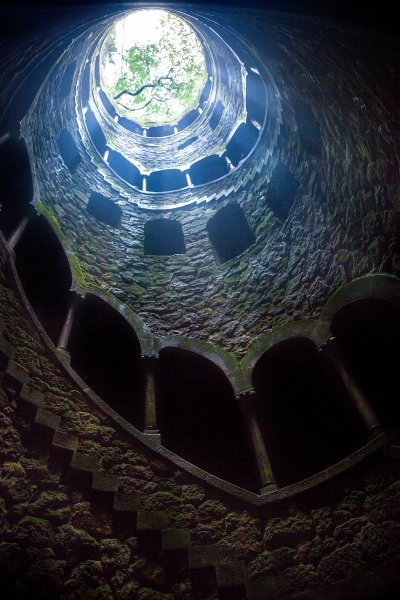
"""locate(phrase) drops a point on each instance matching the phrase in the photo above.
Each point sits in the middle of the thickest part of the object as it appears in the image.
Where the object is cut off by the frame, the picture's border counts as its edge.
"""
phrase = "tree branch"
(158, 83)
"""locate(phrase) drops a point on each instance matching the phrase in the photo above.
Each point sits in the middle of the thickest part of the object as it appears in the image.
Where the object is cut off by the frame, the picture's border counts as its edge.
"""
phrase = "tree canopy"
(153, 67)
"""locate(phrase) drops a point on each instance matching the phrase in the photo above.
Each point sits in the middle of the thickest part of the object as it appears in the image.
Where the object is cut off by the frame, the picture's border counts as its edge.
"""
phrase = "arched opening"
(45, 274)
(229, 232)
(66, 82)
(208, 168)
(255, 97)
(105, 352)
(104, 210)
(308, 422)
(68, 150)
(124, 168)
(166, 181)
(199, 418)
(281, 192)
(308, 128)
(216, 115)
(163, 237)
(95, 131)
(242, 142)
(16, 183)
(368, 333)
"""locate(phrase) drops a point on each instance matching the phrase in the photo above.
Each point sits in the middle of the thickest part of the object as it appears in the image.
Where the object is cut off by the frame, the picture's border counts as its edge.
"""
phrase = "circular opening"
(153, 67)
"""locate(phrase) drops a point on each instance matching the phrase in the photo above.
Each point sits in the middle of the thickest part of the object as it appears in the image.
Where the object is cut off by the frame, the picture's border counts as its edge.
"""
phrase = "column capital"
(249, 394)
(329, 343)
(150, 357)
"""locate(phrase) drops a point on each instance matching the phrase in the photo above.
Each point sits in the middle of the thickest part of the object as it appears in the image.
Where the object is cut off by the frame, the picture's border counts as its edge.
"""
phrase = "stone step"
(202, 560)
(7, 352)
(47, 421)
(262, 589)
(104, 488)
(231, 580)
(175, 539)
(81, 469)
(63, 446)
(15, 377)
(175, 544)
(149, 525)
(125, 508)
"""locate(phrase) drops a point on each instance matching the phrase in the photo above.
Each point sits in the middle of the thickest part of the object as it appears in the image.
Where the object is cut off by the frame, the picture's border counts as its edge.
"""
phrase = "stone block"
(47, 420)
(84, 463)
(231, 574)
(148, 528)
(126, 503)
(31, 396)
(64, 445)
(262, 589)
(82, 467)
(7, 352)
(175, 539)
(15, 376)
(103, 488)
(151, 520)
(203, 556)
(125, 507)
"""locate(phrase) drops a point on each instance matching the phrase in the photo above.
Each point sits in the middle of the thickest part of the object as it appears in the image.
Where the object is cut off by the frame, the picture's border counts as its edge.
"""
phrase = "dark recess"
(229, 232)
(242, 142)
(166, 181)
(104, 210)
(368, 332)
(68, 150)
(105, 352)
(309, 132)
(16, 183)
(281, 192)
(163, 237)
(208, 169)
(45, 274)
(199, 418)
(308, 420)
(66, 82)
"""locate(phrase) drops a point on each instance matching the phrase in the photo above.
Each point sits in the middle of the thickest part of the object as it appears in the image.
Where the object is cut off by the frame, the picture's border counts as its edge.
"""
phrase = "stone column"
(246, 404)
(18, 231)
(150, 415)
(331, 351)
(65, 333)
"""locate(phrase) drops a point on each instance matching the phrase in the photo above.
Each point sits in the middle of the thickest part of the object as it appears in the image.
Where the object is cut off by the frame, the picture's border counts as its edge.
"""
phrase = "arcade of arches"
(200, 324)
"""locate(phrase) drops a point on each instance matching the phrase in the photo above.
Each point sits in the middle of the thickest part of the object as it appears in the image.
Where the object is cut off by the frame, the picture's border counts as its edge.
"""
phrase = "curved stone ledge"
(153, 442)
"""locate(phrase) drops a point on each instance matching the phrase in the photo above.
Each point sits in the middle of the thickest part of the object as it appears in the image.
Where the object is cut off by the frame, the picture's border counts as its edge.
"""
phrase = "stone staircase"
(207, 569)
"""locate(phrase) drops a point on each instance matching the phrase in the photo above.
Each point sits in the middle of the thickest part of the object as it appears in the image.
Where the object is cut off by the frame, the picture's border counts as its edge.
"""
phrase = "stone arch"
(45, 273)
(367, 331)
(222, 359)
(143, 333)
(195, 405)
(380, 286)
(106, 353)
(16, 182)
(306, 419)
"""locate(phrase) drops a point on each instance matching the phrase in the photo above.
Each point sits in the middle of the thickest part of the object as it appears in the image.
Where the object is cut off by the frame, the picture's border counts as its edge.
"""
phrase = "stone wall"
(60, 539)
(344, 222)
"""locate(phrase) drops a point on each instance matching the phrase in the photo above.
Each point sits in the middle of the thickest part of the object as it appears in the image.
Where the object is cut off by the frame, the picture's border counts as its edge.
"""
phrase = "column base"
(269, 487)
(374, 431)
(65, 355)
(150, 431)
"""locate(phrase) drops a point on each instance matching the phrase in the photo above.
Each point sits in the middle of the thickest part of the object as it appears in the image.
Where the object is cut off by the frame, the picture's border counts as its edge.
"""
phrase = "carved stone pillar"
(65, 333)
(150, 414)
(18, 231)
(246, 404)
(331, 351)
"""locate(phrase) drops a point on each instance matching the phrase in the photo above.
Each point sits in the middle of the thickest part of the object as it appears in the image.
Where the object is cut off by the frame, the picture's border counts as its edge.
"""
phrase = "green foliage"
(157, 83)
